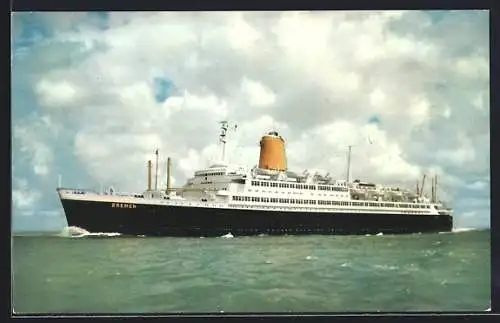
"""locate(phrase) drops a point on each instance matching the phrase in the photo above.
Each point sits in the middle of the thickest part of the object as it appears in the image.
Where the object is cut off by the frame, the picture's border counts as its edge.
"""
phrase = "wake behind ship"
(266, 199)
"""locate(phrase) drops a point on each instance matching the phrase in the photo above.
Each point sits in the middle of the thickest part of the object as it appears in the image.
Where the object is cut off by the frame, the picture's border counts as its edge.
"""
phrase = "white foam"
(379, 234)
(385, 267)
(458, 230)
(311, 257)
(227, 236)
(99, 234)
(73, 231)
(77, 232)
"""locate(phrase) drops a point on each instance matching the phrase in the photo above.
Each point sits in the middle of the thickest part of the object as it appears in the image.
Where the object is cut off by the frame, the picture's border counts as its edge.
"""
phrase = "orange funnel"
(272, 152)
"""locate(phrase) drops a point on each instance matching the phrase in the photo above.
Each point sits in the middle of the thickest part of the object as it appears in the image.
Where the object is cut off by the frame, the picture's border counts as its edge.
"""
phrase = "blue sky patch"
(163, 88)
(374, 119)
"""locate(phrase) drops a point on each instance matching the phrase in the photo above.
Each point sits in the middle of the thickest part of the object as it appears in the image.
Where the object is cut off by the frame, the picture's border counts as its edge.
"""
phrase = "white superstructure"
(238, 187)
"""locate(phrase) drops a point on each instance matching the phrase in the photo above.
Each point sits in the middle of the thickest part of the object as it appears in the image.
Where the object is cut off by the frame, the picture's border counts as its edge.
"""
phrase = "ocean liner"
(269, 199)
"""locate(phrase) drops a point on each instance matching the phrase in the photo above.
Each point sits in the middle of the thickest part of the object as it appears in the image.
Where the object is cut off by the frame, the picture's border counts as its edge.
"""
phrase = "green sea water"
(420, 272)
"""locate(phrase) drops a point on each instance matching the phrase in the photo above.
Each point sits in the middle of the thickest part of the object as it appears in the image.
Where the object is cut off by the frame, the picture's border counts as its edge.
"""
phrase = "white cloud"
(30, 140)
(258, 94)
(318, 77)
(55, 94)
(24, 197)
(478, 185)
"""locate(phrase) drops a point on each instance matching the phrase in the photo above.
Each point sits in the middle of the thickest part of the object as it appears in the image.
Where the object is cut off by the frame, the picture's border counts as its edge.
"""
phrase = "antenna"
(59, 182)
(223, 136)
(156, 173)
(348, 164)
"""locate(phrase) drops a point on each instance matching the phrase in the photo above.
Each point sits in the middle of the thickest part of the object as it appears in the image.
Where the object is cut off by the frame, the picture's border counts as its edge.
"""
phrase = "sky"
(94, 94)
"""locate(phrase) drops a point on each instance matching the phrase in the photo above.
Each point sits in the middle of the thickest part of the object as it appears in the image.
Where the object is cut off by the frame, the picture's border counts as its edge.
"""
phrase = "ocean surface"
(113, 274)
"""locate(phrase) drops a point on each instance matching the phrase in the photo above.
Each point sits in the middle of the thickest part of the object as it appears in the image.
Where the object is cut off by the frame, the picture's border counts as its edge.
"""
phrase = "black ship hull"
(184, 221)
